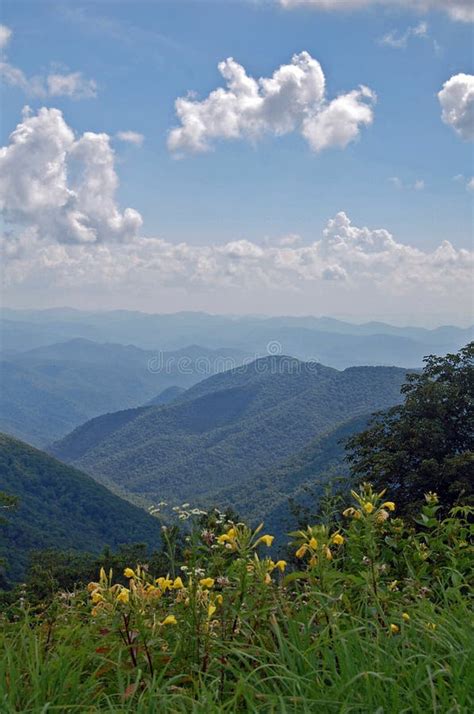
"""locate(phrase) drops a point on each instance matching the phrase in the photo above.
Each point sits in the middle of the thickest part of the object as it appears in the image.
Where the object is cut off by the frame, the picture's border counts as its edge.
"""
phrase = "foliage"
(61, 508)
(229, 429)
(428, 441)
(375, 618)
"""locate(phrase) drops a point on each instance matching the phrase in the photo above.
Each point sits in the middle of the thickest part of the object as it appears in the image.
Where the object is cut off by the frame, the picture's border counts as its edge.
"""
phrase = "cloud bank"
(462, 10)
(457, 104)
(65, 232)
(293, 99)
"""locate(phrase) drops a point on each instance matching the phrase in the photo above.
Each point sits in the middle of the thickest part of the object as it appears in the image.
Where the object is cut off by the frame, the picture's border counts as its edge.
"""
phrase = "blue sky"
(144, 55)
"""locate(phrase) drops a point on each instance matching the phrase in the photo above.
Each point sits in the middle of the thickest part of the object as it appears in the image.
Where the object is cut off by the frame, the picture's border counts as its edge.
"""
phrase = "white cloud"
(72, 85)
(65, 232)
(55, 84)
(462, 10)
(292, 99)
(130, 137)
(397, 183)
(457, 104)
(5, 34)
(399, 41)
(59, 187)
(470, 184)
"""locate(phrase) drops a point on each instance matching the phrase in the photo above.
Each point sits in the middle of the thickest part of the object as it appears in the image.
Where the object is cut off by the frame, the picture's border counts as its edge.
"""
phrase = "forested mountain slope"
(49, 390)
(229, 427)
(60, 507)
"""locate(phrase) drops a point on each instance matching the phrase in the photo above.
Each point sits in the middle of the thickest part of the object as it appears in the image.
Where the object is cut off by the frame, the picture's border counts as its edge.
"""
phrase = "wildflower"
(177, 584)
(211, 610)
(368, 507)
(123, 596)
(337, 539)
(219, 599)
(389, 505)
(394, 629)
(431, 625)
(97, 597)
(129, 573)
(267, 539)
(405, 616)
(207, 582)
(313, 543)
(351, 512)
(431, 498)
(382, 515)
(301, 551)
(327, 552)
(92, 586)
(281, 565)
(169, 620)
(267, 579)
(164, 583)
(393, 585)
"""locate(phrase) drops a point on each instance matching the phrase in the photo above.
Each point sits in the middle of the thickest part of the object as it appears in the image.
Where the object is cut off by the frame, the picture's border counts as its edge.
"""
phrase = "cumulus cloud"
(55, 84)
(292, 99)
(130, 137)
(461, 10)
(457, 105)
(62, 189)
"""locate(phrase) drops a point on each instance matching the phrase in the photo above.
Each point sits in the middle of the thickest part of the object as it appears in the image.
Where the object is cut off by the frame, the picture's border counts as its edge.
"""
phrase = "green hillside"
(49, 390)
(267, 496)
(60, 507)
(228, 428)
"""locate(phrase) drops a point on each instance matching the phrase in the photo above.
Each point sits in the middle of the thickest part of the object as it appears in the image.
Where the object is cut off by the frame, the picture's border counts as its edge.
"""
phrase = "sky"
(253, 156)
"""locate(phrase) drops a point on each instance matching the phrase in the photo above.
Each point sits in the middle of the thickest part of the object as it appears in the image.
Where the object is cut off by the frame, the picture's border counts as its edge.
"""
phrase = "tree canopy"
(427, 442)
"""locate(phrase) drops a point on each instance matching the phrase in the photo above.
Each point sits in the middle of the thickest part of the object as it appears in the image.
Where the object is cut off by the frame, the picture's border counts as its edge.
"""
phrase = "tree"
(427, 442)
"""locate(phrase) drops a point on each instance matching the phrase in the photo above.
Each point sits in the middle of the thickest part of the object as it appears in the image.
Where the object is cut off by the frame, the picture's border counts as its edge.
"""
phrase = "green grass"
(376, 619)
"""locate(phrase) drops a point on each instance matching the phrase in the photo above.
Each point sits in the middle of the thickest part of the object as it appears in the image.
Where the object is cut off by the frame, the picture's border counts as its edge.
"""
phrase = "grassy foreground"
(372, 616)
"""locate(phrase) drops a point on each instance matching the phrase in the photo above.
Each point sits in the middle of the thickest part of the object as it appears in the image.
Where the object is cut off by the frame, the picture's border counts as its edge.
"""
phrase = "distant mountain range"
(49, 390)
(60, 507)
(228, 430)
(315, 338)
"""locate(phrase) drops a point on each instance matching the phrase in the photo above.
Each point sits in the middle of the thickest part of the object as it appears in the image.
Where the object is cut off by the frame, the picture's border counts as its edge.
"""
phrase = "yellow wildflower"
(219, 599)
(328, 553)
(207, 582)
(164, 583)
(389, 505)
(281, 565)
(129, 573)
(368, 507)
(301, 550)
(96, 597)
(123, 596)
(211, 610)
(267, 579)
(405, 616)
(177, 584)
(313, 543)
(337, 539)
(394, 629)
(169, 620)
(267, 539)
